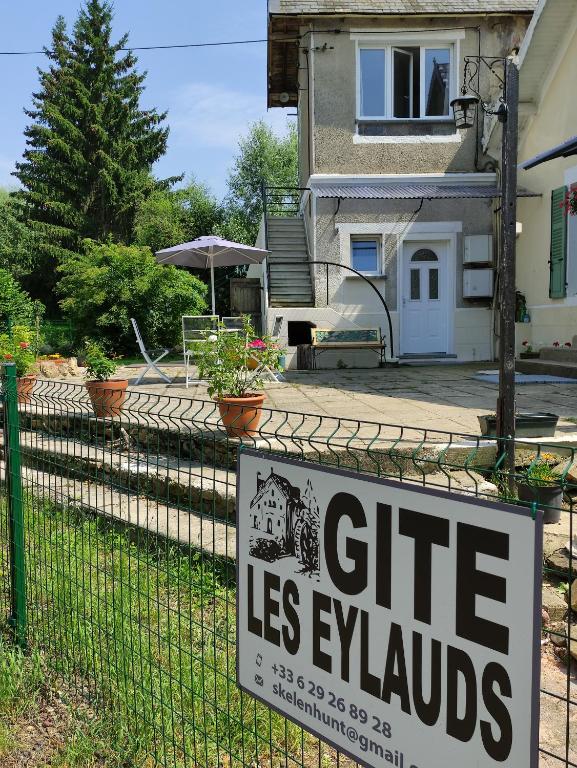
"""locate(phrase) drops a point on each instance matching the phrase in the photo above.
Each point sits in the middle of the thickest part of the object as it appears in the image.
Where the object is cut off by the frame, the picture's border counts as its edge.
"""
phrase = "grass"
(144, 634)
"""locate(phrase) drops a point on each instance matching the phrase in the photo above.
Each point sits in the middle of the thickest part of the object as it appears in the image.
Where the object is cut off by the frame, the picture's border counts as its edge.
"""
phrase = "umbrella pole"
(212, 288)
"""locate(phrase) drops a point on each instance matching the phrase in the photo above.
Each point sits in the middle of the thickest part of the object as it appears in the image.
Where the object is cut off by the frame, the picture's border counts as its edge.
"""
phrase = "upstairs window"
(405, 82)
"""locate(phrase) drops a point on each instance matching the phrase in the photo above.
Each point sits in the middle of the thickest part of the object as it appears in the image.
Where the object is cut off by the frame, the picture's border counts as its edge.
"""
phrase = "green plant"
(16, 306)
(98, 366)
(16, 347)
(224, 359)
(541, 475)
(107, 284)
(90, 144)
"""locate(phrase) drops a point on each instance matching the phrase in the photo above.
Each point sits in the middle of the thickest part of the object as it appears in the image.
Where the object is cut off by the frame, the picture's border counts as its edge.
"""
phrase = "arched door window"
(424, 254)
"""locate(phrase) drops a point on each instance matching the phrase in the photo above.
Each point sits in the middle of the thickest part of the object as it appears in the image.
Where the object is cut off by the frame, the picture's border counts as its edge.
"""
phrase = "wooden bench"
(325, 339)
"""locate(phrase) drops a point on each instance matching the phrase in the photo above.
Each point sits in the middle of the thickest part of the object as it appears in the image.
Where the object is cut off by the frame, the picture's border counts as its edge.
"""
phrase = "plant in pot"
(224, 363)
(528, 353)
(542, 485)
(107, 395)
(16, 348)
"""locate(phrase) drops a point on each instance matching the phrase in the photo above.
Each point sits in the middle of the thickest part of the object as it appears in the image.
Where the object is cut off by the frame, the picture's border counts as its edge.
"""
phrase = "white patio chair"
(233, 324)
(195, 331)
(146, 354)
(270, 374)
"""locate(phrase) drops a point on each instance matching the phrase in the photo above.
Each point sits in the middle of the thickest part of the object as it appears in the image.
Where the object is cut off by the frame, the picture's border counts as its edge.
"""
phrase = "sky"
(211, 94)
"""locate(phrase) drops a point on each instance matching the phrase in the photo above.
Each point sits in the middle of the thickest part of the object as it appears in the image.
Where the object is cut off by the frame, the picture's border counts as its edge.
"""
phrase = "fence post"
(15, 504)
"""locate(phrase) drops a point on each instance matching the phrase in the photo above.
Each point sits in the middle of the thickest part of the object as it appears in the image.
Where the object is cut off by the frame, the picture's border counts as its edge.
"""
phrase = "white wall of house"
(553, 122)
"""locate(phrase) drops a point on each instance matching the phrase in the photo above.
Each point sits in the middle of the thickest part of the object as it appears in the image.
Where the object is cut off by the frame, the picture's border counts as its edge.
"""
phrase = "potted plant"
(107, 395)
(528, 352)
(542, 485)
(16, 347)
(224, 362)
(526, 424)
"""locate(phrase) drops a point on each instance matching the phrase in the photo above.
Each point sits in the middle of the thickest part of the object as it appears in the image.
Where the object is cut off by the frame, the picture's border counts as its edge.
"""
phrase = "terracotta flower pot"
(107, 397)
(24, 387)
(241, 415)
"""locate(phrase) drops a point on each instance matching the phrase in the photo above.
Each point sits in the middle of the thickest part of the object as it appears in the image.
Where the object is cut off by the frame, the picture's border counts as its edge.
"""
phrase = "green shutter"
(558, 260)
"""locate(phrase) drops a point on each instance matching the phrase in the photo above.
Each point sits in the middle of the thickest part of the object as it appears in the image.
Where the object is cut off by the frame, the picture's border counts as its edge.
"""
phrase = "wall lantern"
(464, 109)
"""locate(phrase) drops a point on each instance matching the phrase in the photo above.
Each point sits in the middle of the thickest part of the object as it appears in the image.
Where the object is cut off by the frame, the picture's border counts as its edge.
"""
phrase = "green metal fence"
(117, 546)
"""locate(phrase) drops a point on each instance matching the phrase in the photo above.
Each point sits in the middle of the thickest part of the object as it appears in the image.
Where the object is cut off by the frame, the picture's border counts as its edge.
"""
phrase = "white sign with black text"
(399, 624)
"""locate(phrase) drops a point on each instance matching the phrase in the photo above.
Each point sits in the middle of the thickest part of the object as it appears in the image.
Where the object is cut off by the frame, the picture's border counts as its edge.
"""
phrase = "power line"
(152, 47)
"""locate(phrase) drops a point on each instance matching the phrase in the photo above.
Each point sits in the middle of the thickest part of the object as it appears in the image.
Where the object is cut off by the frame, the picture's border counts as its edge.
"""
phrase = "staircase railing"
(282, 201)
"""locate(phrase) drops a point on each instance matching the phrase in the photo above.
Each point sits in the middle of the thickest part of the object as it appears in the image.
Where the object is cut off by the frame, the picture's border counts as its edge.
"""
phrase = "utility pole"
(506, 401)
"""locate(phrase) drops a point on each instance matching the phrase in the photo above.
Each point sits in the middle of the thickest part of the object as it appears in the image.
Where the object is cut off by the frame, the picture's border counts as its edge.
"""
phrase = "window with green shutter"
(558, 259)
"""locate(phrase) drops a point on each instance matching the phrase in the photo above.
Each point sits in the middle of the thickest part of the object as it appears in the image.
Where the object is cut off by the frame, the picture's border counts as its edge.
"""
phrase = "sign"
(400, 624)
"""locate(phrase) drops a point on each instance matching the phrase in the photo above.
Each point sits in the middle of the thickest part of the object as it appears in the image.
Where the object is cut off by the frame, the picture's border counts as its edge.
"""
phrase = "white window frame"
(448, 40)
(355, 238)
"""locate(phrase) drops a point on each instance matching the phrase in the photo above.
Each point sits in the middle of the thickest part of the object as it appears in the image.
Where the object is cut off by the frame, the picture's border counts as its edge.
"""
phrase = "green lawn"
(145, 634)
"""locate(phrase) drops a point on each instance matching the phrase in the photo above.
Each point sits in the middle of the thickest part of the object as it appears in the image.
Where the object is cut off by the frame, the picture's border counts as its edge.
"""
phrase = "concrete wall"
(328, 77)
(554, 122)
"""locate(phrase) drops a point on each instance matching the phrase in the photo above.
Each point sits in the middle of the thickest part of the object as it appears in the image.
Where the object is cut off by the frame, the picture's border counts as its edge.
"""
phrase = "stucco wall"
(475, 215)
(354, 299)
(554, 122)
(332, 79)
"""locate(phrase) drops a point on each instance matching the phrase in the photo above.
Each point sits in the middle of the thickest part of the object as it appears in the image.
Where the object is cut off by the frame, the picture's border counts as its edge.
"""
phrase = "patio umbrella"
(210, 252)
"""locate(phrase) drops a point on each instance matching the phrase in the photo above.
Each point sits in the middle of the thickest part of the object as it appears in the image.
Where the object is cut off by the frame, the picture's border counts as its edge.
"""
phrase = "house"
(388, 186)
(286, 518)
(274, 509)
(547, 245)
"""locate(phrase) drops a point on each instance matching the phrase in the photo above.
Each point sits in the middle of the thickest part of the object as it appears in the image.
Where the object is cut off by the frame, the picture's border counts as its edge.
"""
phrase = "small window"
(372, 82)
(424, 254)
(433, 283)
(269, 525)
(437, 74)
(365, 255)
(415, 284)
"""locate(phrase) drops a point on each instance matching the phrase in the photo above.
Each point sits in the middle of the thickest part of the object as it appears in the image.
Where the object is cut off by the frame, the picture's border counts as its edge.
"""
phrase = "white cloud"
(205, 115)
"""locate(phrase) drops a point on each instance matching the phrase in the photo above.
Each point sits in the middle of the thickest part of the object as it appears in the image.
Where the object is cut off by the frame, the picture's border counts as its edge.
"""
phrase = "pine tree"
(90, 147)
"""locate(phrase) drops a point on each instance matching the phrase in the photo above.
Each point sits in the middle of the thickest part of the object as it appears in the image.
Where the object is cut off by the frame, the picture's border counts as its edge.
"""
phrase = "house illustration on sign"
(285, 521)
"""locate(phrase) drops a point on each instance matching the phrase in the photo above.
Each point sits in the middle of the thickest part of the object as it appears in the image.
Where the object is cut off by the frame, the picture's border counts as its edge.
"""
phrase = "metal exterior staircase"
(290, 283)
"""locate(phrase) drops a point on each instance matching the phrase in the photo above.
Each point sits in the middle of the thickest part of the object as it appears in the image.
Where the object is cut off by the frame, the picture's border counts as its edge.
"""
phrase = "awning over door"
(408, 191)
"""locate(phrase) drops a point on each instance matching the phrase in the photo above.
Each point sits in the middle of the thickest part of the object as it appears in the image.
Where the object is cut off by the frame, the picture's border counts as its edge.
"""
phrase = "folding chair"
(195, 330)
(273, 375)
(151, 364)
(233, 324)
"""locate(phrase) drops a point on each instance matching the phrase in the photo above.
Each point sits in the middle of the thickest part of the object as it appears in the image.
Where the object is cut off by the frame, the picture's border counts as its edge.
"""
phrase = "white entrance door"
(424, 301)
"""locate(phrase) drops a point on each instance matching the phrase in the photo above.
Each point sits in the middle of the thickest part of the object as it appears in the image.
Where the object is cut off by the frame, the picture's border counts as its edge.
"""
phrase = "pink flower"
(8, 357)
(24, 345)
(525, 343)
(257, 344)
(556, 344)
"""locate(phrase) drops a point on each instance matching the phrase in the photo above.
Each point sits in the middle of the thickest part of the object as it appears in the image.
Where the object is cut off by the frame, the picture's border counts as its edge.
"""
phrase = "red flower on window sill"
(556, 344)
(569, 205)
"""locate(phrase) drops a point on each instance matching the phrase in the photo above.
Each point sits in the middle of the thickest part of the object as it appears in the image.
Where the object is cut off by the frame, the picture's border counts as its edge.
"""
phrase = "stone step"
(191, 485)
(558, 354)
(293, 267)
(182, 526)
(547, 368)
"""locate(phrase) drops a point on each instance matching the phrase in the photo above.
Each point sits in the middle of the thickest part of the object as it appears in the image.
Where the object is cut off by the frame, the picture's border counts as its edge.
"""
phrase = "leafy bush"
(16, 347)
(98, 366)
(16, 306)
(105, 286)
